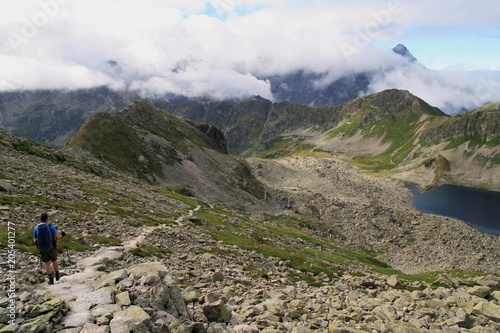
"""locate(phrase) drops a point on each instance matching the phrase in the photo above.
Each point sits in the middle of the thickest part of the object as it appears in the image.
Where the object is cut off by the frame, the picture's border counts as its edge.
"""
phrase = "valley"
(316, 218)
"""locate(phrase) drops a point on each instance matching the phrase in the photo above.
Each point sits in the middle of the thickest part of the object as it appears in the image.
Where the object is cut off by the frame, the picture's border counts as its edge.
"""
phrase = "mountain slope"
(393, 131)
(399, 133)
(53, 116)
(159, 148)
(304, 87)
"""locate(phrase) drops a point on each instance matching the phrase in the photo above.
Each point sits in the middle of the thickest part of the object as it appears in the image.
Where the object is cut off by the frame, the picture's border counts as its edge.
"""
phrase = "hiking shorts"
(50, 255)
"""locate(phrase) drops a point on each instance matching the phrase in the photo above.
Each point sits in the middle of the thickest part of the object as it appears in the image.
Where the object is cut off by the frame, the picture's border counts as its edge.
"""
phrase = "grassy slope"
(140, 139)
(294, 240)
(403, 122)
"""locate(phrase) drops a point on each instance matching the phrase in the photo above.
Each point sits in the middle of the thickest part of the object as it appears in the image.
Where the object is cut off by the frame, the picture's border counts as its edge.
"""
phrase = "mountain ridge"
(469, 140)
(392, 130)
(160, 148)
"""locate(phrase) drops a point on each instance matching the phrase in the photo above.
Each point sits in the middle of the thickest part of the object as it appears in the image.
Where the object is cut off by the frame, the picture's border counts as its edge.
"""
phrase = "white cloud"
(198, 78)
(49, 74)
(449, 91)
(142, 45)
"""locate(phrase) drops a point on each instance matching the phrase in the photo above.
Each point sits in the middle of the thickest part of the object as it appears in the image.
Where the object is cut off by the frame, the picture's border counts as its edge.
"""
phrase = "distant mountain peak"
(404, 52)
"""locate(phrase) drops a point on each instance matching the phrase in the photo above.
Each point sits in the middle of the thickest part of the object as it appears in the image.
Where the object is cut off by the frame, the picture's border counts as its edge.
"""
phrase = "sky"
(223, 48)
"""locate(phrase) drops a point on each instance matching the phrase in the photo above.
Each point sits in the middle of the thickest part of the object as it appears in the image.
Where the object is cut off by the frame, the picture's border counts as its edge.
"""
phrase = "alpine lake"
(480, 208)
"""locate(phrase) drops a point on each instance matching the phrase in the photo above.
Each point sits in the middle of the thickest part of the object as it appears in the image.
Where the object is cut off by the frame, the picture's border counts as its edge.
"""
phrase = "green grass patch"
(23, 239)
(278, 237)
(218, 251)
(347, 128)
(373, 162)
(99, 192)
(120, 211)
(143, 250)
(287, 147)
(28, 147)
(6, 200)
(71, 243)
(74, 205)
(188, 200)
(109, 241)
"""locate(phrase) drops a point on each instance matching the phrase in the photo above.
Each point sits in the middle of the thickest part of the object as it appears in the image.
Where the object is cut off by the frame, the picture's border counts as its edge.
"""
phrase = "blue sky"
(438, 44)
(221, 47)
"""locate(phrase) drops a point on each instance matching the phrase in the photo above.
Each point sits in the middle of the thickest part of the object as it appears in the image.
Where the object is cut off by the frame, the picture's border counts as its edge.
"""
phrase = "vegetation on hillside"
(142, 139)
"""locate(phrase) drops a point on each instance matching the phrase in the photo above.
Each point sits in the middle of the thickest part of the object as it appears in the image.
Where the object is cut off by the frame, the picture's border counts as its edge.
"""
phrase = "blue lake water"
(478, 207)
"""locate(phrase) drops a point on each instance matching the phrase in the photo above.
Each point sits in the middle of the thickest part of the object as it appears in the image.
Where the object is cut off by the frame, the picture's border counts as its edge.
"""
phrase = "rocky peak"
(404, 52)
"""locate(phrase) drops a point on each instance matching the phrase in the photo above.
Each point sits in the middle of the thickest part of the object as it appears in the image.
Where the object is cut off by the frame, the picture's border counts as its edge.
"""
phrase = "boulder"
(480, 291)
(7, 187)
(489, 310)
(217, 312)
(131, 319)
(11, 328)
(149, 272)
(489, 281)
(99, 297)
(110, 279)
(461, 319)
(52, 306)
(217, 277)
(392, 280)
(93, 328)
(123, 298)
(246, 329)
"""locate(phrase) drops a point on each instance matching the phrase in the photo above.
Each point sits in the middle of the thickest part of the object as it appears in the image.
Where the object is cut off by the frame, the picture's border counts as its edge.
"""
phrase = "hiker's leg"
(56, 265)
(48, 268)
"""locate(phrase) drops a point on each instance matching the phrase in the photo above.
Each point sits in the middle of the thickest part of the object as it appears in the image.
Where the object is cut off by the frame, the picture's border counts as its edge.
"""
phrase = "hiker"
(45, 237)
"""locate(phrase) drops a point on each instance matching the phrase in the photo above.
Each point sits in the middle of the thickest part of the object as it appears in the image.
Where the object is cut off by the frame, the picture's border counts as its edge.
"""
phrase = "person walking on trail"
(45, 236)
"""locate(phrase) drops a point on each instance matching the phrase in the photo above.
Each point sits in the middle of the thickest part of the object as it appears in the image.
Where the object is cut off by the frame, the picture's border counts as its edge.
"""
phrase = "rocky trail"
(187, 290)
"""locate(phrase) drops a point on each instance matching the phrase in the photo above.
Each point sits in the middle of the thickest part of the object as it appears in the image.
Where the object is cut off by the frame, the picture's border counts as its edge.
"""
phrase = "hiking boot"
(57, 276)
(51, 279)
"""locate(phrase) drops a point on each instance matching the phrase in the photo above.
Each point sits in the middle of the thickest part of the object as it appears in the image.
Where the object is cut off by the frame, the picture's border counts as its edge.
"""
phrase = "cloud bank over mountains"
(226, 48)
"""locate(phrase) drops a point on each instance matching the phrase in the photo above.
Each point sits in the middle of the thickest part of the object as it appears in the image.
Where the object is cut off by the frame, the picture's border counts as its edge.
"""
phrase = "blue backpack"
(44, 237)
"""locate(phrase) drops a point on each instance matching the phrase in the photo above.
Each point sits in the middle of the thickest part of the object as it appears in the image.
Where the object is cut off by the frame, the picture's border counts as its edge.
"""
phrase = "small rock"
(217, 312)
(480, 291)
(132, 318)
(123, 298)
(393, 280)
(217, 276)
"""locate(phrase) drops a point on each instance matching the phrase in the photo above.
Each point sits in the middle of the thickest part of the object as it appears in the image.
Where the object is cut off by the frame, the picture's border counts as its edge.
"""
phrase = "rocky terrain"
(377, 212)
(327, 249)
(189, 290)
